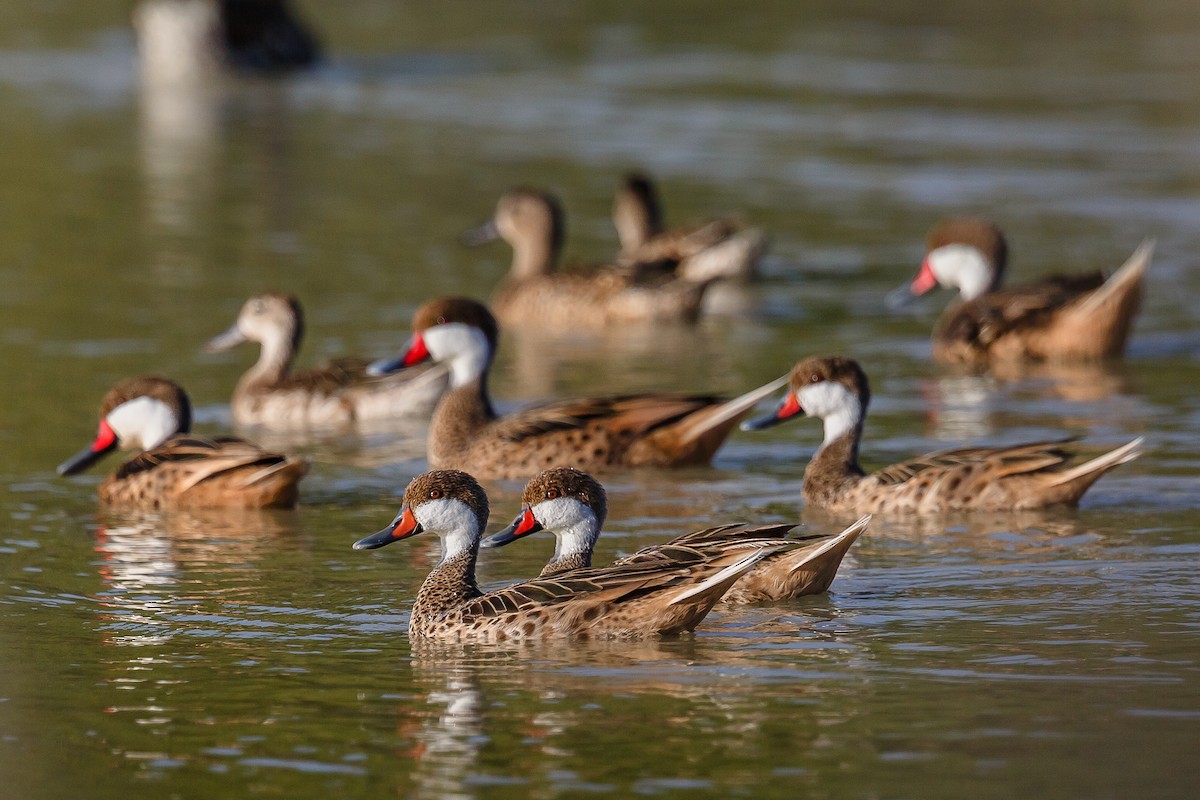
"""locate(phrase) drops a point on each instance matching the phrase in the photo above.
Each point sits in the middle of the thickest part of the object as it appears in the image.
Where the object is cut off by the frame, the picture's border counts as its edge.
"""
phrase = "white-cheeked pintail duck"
(1083, 317)
(1009, 478)
(339, 393)
(175, 469)
(592, 433)
(572, 505)
(536, 293)
(718, 248)
(656, 598)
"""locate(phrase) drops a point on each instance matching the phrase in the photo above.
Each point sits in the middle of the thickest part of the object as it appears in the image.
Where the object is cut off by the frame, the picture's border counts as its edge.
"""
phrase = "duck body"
(175, 469)
(659, 599)
(1085, 317)
(573, 506)
(1006, 478)
(536, 293)
(716, 249)
(339, 393)
(640, 430)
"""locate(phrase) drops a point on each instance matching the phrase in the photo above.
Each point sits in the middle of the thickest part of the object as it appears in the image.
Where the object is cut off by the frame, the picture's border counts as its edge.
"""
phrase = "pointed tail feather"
(1092, 470)
(727, 413)
(1121, 282)
(716, 585)
(841, 541)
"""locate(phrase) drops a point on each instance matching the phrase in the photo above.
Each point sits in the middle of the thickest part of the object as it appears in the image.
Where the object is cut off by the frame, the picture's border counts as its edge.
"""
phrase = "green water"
(257, 655)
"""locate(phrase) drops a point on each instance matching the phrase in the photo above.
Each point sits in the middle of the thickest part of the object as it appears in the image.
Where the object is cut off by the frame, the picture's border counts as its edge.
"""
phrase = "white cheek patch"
(143, 423)
(572, 523)
(463, 347)
(839, 407)
(962, 267)
(453, 521)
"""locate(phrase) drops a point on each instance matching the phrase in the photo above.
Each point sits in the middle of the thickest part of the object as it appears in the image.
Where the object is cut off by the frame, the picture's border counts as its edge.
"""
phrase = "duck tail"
(719, 419)
(1078, 479)
(1109, 310)
(714, 586)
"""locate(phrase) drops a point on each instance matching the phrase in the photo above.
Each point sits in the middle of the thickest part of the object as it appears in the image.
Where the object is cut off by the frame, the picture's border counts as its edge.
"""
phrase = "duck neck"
(837, 457)
(573, 546)
(461, 413)
(533, 256)
(448, 586)
(274, 361)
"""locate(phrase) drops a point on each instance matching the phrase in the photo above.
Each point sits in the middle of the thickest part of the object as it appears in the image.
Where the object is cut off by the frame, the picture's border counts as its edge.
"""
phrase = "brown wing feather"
(1005, 460)
(635, 414)
(224, 452)
(995, 314)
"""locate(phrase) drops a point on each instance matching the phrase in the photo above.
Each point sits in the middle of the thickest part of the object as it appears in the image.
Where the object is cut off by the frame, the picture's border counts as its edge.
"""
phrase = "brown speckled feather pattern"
(566, 499)
(782, 575)
(626, 601)
(1005, 478)
(195, 472)
(591, 434)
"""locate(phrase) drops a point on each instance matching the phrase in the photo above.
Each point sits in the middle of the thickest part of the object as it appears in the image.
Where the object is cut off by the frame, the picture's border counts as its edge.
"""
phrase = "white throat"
(962, 267)
(836, 405)
(143, 423)
(463, 347)
(453, 522)
(573, 524)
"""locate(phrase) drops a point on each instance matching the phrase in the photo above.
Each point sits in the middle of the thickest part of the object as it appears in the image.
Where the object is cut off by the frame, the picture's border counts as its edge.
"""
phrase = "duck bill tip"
(402, 527)
(224, 341)
(525, 524)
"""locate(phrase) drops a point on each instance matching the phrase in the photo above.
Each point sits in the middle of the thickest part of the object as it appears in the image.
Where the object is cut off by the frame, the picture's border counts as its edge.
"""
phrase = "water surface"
(256, 654)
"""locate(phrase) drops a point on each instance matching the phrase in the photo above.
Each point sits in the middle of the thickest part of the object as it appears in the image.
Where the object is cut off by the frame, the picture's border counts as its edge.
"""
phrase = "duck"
(661, 598)
(339, 393)
(173, 468)
(1084, 317)
(591, 433)
(718, 248)
(572, 505)
(1018, 477)
(534, 293)
(184, 41)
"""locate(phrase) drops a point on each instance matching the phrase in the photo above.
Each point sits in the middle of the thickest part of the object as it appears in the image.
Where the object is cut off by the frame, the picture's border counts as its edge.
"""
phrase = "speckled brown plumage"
(535, 293)
(187, 471)
(339, 392)
(571, 504)
(597, 433)
(660, 598)
(1024, 476)
(1083, 317)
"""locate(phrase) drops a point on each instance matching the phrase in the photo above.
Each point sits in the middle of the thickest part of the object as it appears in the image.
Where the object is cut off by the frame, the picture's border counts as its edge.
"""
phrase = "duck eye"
(815, 379)
(441, 320)
(435, 494)
(552, 494)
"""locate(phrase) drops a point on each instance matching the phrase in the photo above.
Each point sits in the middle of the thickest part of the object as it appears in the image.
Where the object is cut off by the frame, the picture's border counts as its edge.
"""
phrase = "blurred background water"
(189, 655)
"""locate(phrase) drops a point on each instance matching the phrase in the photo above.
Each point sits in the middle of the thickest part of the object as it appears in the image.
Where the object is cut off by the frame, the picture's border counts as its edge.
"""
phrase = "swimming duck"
(338, 393)
(593, 433)
(718, 248)
(1016, 477)
(660, 598)
(534, 293)
(572, 505)
(1062, 318)
(175, 469)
